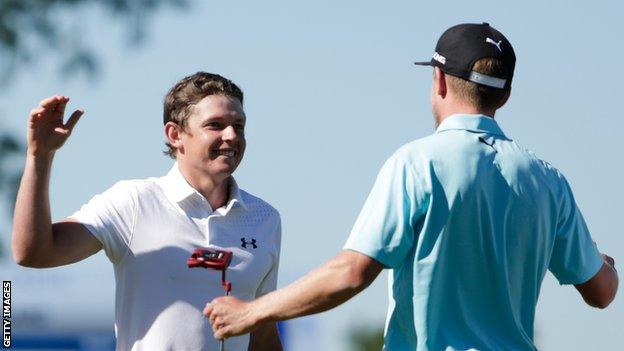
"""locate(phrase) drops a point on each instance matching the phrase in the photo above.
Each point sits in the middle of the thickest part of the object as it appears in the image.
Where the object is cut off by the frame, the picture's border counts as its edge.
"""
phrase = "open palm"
(46, 130)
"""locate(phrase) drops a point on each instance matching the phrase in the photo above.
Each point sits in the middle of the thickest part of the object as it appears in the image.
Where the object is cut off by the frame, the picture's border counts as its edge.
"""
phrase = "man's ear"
(173, 132)
(439, 82)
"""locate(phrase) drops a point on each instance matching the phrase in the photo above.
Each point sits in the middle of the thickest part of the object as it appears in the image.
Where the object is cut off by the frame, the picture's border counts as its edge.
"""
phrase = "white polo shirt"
(149, 228)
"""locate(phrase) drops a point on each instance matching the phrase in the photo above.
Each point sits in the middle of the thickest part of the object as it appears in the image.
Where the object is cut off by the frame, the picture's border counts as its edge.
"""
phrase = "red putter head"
(212, 259)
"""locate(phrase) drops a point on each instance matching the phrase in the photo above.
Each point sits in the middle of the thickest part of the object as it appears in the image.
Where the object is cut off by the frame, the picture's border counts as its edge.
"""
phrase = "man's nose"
(229, 133)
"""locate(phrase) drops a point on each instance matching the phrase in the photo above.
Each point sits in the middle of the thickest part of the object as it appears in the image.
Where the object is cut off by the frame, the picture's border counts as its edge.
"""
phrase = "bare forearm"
(326, 287)
(32, 227)
(322, 289)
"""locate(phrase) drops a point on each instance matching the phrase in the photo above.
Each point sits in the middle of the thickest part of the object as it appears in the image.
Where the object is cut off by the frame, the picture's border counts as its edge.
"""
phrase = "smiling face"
(213, 142)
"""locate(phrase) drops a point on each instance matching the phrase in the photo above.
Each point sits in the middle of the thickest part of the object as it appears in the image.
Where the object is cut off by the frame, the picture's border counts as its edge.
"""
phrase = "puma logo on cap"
(491, 41)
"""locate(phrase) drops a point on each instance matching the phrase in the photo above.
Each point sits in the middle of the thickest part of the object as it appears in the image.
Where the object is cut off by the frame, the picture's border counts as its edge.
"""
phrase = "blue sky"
(331, 92)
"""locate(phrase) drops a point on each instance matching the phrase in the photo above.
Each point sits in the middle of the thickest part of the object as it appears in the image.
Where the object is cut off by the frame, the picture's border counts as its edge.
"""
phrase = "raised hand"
(46, 130)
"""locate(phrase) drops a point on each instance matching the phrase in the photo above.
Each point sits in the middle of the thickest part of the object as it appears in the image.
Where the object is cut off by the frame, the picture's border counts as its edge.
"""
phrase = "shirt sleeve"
(384, 230)
(575, 258)
(110, 217)
(269, 283)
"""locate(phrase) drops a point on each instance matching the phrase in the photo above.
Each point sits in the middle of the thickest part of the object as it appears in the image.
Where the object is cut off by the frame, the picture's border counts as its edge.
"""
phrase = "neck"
(460, 108)
(216, 190)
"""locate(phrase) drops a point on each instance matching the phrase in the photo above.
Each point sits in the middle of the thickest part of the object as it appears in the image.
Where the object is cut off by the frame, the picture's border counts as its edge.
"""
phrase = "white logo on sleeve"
(491, 41)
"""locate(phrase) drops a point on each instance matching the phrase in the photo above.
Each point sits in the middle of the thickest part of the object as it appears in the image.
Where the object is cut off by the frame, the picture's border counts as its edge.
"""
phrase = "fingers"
(54, 104)
(217, 317)
(221, 333)
(49, 102)
(211, 314)
(220, 329)
(208, 309)
(608, 259)
(59, 109)
(213, 317)
(73, 119)
(36, 112)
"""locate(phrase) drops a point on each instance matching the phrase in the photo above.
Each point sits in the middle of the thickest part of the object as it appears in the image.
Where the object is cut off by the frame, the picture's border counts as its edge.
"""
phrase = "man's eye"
(239, 126)
(213, 125)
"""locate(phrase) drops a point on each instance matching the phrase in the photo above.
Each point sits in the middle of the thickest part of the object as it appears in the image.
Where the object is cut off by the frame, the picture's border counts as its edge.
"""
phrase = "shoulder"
(416, 154)
(263, 217)
(423, 144)
(551, 172)
(543, 170)
(129, 192)
(556, 177)
(426, 147)
(258, 206)
(134, 187)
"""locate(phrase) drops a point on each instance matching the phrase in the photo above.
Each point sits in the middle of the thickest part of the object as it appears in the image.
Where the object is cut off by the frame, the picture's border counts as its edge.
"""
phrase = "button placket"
(206, 213)
(213, 216)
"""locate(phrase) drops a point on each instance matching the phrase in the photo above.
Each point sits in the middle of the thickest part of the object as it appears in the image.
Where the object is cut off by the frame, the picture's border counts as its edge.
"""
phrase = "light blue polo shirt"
(468, 222)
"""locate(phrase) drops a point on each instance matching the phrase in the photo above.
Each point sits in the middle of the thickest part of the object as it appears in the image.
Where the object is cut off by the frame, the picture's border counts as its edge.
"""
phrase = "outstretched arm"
(600, 290)
(36, 242)
(322, 289)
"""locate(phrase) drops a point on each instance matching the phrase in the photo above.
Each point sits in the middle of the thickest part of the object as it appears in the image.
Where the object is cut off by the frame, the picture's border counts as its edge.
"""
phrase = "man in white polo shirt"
(467, 221)
(148, 228)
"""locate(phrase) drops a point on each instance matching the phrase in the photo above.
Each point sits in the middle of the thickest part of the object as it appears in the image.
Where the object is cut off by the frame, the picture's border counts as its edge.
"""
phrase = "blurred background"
(331, 92)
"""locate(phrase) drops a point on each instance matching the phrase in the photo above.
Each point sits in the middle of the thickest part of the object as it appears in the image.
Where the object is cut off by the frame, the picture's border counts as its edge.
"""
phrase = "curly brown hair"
(180, 100)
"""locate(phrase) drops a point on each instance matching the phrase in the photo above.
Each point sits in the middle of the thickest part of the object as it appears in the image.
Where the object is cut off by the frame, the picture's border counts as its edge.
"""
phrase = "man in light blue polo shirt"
(467, 221)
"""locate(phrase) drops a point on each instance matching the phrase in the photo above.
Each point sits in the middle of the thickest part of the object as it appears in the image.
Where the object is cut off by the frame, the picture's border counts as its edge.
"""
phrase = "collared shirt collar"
(472, 123)
(177, 189)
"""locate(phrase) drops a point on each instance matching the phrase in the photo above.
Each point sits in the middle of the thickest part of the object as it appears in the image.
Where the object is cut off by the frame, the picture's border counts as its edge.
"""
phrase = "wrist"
(40, 161)
(39, 154)
(259, 313)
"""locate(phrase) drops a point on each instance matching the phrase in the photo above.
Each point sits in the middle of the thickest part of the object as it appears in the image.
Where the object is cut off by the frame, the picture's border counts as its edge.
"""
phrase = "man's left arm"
(324, 288)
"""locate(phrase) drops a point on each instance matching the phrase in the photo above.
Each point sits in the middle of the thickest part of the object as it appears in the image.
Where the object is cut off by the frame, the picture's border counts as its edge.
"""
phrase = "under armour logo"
(252, 243)
(491, 41)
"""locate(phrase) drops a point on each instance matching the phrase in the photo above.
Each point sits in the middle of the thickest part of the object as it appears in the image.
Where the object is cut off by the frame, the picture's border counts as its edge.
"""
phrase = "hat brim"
(423, 63)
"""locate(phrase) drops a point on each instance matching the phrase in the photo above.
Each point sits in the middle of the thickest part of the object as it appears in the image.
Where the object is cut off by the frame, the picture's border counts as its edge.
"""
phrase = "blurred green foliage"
(31, 30)
(10, 172)
(366, 338)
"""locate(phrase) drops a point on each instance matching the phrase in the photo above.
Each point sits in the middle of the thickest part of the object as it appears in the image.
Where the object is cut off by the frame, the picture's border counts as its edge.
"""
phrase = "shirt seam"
(421, 180)
(132, 229)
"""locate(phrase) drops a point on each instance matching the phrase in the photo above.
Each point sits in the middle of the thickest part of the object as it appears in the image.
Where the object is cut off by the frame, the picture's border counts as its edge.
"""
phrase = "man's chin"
(225, 170)
(220, 168)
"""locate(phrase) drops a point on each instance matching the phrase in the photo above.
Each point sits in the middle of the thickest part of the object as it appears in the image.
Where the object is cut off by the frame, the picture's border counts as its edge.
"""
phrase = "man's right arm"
(36, 242)
(600, 290)
(575, 258)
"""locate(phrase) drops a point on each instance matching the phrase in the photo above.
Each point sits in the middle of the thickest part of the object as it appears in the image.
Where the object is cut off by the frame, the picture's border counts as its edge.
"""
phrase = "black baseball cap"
(462, 45)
